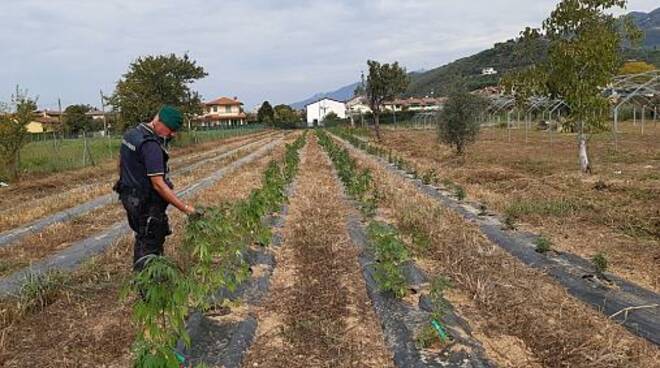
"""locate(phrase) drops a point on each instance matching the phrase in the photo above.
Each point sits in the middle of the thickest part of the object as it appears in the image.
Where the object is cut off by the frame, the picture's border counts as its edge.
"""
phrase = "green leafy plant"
(391, 254)
(429, 177)
(459, 192)
(433, 332)
(600, 262)
(160, 312)
(543, 244)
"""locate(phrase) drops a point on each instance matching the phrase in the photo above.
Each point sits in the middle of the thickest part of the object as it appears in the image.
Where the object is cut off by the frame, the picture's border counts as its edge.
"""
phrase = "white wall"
(318, 110)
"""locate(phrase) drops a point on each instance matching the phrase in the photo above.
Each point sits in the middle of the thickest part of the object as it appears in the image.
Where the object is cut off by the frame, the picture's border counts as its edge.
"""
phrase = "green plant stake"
(440, 330)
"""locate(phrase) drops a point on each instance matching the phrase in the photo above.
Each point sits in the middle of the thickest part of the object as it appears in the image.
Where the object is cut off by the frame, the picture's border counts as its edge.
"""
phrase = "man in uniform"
(144, 187)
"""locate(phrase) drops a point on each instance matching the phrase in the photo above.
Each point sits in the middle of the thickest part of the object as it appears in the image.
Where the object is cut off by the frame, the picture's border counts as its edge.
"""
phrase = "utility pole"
(106, 131)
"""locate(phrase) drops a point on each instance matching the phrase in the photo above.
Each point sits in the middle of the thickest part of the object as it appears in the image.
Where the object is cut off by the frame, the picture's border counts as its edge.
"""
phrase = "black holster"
(147, 217)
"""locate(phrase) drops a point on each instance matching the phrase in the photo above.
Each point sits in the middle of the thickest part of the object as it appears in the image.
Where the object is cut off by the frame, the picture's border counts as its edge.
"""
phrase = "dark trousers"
(147, 218)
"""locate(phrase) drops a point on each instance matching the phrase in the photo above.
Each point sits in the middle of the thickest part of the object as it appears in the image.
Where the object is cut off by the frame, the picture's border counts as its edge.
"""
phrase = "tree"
(636, 67)
(285, 117)
(384, 82)
(459, 124)
(13, 135)
(331, 116)
(77, 121)
(153, 81)
(583, 57)
(265, 114)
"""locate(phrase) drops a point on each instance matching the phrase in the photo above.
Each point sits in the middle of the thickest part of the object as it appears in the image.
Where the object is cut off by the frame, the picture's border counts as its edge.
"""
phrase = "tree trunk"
(13, 166)
(585, 167)
(377, 125)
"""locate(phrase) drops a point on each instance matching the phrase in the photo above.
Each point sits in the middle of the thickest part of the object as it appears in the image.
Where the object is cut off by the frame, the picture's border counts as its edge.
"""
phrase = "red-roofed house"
(223, 111)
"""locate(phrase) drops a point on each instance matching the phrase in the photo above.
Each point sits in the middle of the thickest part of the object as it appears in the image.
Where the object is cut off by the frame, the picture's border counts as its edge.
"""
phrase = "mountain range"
(503, 57)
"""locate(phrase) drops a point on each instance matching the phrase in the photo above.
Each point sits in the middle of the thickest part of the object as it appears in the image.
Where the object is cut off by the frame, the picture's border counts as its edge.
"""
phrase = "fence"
(50, 152)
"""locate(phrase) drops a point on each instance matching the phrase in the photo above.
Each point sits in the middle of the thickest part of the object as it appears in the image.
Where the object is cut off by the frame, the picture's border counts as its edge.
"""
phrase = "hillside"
(649, 23)
(466, 72)
(510, 55)
(342, 94)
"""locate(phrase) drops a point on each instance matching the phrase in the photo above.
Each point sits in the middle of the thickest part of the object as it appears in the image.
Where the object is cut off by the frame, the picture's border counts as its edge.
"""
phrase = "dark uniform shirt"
(143, 155)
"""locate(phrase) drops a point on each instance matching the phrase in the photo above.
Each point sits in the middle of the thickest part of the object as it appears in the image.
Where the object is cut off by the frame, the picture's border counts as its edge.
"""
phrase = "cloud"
(278, 50)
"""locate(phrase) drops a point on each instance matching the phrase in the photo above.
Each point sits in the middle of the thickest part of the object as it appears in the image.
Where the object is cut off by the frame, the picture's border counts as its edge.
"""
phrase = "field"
(315, 252)
(537, 185)
(53, 155)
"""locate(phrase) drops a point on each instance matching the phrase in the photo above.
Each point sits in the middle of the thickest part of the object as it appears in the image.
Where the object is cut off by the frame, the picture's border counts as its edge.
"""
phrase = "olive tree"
(459, 124)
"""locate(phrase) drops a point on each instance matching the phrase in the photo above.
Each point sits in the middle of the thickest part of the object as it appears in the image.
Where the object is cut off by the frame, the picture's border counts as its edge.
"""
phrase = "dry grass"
(31, 200)
(88, 325)
(508, 299)
(317, 313)
(616, 211)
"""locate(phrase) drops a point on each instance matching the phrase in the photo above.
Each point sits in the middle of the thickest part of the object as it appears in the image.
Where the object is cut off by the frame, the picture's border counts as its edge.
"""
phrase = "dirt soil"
(86, 323)
(318, 313)
(512, 308)
(615, 211)
(38, 197)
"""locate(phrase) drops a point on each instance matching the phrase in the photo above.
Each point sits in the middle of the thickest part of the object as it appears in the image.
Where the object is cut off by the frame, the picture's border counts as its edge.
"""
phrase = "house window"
(227, 109)
(215, 108)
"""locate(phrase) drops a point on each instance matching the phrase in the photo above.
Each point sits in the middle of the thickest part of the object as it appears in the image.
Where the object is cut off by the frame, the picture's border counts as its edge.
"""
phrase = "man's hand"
(197, 214)
(161, 187)
(189, 210)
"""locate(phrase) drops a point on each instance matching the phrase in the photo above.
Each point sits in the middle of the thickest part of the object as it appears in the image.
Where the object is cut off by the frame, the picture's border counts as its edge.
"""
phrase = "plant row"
(384, 239)
(212, 257)
(512, 213)
(426, 176)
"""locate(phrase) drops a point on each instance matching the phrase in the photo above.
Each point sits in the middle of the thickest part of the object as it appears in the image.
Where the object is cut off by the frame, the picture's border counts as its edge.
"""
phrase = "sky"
(280, 50)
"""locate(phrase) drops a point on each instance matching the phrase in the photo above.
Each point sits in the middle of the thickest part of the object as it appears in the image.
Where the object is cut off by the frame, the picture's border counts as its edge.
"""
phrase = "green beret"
(171, 117)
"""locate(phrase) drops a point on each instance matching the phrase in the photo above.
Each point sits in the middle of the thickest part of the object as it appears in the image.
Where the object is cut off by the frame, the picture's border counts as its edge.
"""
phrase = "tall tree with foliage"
(384, 82)
(459, 123)
(285, 117)
(584, 55)
(13, 134)
(77, 121)
(265, 114)
(153, 81)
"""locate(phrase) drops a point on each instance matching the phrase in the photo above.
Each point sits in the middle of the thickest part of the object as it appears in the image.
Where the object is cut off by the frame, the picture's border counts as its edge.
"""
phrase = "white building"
(316, 111)
(488, 71)
(358, 105)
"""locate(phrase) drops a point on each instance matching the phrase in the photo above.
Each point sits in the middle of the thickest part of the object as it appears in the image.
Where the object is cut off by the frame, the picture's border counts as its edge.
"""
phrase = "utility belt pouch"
(157, 227)
(117, 187)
